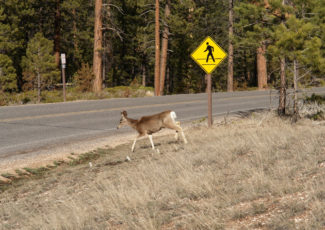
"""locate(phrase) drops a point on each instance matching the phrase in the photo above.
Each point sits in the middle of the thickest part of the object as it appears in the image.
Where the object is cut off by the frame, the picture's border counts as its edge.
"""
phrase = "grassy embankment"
(30, 97)
(257, 172)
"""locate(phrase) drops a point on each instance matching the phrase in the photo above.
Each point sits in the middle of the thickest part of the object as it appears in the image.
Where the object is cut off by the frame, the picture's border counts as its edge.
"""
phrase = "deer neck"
(132, 122)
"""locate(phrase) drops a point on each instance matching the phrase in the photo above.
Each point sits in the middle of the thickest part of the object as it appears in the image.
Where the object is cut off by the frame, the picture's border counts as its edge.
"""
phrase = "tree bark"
(282, 96)
(261, 67)
(230, 78)
(38, 87)
(164, 49)
(143, 74)
(75, 41)
(57, 23)
(168, 81)
(295, 85)
(157, 50)
(98, 38)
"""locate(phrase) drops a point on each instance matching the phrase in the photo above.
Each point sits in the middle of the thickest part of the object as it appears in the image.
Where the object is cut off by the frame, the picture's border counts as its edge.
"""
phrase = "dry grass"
(259, 172)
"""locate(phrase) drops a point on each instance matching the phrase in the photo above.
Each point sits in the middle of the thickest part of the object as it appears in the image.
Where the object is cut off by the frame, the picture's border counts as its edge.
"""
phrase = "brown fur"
(147, 125)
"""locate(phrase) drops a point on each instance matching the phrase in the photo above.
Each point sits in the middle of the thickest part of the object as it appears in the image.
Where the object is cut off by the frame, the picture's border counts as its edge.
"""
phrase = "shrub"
(313, 107)
(8, 82)
(315, 98)
(84, 78)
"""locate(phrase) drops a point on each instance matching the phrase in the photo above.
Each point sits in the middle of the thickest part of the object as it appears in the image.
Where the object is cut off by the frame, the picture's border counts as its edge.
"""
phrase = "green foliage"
(77, 22)
(252, 28)
(73, 94)
(295, 39)
(84, 158)
(315, 98)
(84, 78)
(317, 116)
(293, 31)
(8, 77)
(39, 62)
(37, 171)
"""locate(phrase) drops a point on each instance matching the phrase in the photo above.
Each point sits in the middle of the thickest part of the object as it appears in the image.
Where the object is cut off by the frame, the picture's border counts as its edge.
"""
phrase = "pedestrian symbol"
(208, 55)
(211, 50)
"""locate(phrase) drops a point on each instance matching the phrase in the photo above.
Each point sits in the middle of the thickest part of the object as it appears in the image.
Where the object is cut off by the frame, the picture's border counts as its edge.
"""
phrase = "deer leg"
(183, 135)
(178, 128)
(150, 138)
(176, 135)
(135, 140)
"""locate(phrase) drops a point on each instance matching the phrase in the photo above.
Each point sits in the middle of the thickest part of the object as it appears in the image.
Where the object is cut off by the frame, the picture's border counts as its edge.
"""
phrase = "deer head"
(123, 120)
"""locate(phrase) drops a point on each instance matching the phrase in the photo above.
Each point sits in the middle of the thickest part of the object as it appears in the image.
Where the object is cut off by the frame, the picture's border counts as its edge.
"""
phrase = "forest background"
(108, 43)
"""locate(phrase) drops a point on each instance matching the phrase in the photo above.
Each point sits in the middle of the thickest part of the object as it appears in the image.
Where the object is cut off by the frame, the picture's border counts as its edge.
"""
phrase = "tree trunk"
(98, 37)
(168, 81)
(261, 67)
(57, 24)
(230, 79)
(164, 49)
(38, 87)
(157, 50)
(143, 75)
(282, 96)
(75, 41)
(295, 85)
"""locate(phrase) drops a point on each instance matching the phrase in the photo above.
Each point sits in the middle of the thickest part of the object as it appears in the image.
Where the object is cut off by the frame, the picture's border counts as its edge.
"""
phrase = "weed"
(83, 158)
(8, 176)
(21, 173)
(36, 171)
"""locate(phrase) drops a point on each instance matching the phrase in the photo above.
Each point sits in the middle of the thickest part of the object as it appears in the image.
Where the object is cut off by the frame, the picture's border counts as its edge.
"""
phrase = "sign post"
(209, 100)
(63, 64)
(208, 55)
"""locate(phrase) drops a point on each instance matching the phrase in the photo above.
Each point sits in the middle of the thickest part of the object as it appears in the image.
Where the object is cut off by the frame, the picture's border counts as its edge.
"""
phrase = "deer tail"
(173, 116)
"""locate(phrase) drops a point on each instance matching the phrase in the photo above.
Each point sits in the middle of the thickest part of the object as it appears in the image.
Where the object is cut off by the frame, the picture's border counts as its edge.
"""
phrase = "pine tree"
(8, 81)
(77, 22)
(296, 40)
(40, 70)
(253, 33)
(57, 32)
(8, 75)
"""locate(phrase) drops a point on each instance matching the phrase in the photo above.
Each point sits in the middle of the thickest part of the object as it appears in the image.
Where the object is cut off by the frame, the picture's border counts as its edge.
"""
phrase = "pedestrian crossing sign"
(208, 55)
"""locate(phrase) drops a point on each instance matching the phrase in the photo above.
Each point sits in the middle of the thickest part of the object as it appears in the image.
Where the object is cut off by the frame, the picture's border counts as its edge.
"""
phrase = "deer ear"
(124, 113)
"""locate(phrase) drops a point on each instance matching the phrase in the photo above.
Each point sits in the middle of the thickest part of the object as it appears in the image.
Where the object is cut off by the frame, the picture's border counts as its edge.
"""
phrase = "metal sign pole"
(63, 82)
(63, 63)
(209, 101)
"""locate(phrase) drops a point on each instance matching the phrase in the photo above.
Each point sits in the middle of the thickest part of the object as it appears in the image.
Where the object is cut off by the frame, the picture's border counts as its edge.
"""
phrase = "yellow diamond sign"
(208, 55)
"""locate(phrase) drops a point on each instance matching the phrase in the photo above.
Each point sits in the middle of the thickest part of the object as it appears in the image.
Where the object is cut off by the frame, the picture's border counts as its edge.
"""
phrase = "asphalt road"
(29, 128)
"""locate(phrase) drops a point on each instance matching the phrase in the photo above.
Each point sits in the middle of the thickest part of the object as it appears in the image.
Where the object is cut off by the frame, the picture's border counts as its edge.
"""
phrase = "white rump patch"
(173, 115)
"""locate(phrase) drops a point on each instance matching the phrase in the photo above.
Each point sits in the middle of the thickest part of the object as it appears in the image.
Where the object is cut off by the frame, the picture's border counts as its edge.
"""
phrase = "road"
(30, 128)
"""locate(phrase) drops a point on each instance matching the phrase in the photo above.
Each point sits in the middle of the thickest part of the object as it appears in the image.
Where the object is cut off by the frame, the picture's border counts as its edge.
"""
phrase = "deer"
(147, 125)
